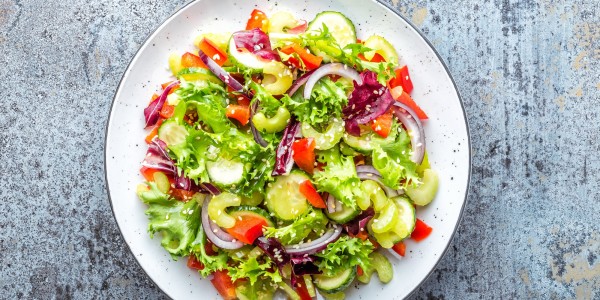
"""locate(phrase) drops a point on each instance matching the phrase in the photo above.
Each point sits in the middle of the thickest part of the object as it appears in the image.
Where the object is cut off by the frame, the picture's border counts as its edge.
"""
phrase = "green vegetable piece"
(310, 287)
(277, 78)
(384, 268)
(255, 200)
(289, 291)
(381, 46)
(424, 165)
(375, 193)
(366, 275)
(343, 254)
(312, 221)
(274, 124)
(424, 193)
(217, 206)
(172, 133)
(327, 139)
(339, 177)
(336, 282)
(281, 21)
(162, 181)
(386, 219)
(334, 296)
(283, 197)
(394, 164)
(211, 263)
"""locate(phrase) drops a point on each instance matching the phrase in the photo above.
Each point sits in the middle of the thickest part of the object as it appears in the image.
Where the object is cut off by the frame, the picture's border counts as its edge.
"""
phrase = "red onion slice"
(152, 112)
(330, 204)
(319, 244)
(210, 188)
(214, 233)
(414, 127)
(299, 82)
(330, 69)
(222, 74)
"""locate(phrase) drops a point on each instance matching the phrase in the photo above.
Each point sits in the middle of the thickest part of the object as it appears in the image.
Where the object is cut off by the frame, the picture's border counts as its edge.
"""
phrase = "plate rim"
(386, 6)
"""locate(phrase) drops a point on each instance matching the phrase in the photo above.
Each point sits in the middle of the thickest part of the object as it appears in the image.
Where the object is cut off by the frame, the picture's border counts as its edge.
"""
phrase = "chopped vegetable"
(240, 113)
(403, 97)
(400, 248)
(421, 232)
(303, 152)
(307, 60)
(345, 253)
(247, 229)
(309, 191)
(258, 20)
(222, 282)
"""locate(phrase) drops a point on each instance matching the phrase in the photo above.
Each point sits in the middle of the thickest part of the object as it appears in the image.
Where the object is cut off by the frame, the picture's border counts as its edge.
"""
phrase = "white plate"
(447, 135)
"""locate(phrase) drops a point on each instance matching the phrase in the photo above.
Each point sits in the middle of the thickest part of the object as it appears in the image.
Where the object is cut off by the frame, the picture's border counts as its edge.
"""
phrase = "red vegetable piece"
(382, 125)
(238, 112)
(421, 231)
(303, 153)
(403, 79)
(301, 289)
(222, 282)
(189, 60)
(258, 19)
(194, 264)
(167, 111)
(247, 229)
(403, 97)
(400, 248)
(213, 51)
(308, 190)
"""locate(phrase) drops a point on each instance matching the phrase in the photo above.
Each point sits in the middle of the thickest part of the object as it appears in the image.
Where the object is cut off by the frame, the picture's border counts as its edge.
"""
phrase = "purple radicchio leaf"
(283, 158)
(256, 42)
(303, 265)
(359, 223)
(368, 101)
(275, 250)
(152, 112)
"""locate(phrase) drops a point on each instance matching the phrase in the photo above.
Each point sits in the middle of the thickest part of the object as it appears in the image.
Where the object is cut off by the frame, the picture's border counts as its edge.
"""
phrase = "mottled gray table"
(529, 74)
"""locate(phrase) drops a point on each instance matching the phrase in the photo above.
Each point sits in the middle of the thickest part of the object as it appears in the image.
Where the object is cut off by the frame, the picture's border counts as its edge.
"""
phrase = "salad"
(287, 157)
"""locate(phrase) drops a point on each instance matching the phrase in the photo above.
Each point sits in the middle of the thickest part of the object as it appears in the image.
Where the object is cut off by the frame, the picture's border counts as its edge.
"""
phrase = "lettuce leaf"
(345, 253)
(177, 221)
(338, 177)
(393, 162)
(209, 101)
(211, 263)
(254, 270)
(326, 101)
(312, 221)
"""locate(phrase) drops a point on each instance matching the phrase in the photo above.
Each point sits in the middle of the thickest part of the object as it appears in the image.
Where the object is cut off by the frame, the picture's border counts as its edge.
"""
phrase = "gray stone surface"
(529, 75)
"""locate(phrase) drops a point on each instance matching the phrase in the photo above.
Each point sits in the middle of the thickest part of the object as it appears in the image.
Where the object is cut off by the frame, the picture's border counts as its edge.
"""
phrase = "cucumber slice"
(426, 191)
(198, 74)
(366, 142)
(253, 211)
(347, 150)
(381, 46)
(340, 27)
(224, 172)
(382, 265)
(347, 214)
(162, 182)
(406, 217)
(327, 139)
(283, 197)
(245, 59)
(335, 283)
(172, 133)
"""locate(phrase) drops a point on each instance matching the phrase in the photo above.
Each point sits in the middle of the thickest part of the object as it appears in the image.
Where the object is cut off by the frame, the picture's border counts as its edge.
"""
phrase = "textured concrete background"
(529, 72)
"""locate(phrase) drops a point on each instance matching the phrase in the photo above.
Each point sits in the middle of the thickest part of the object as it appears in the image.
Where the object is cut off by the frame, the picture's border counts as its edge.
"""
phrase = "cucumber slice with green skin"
(198, 74)
(283, 197)
(162, 182)
(406, 217)
(327, 139)
(335, 283)
(382, 265)
(340, 27)
(334, 296)
(347, 150)
(252, 211)
(347, 214)
(224, 172)
(245, 59)
(381, 46)
(256, 199)
(366, 142)
(172, 133)
(426, 191)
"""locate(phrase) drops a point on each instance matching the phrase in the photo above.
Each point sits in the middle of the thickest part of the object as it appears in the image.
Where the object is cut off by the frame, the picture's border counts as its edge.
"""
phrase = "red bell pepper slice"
(222, 282)
(308, 190)
(247, 229)
(376, 58)
(382, 125)
(189, 60)
(402, 79)
(258, 19)
(148, 173)
(400, 248)
(213, 51)
(238, 112)
(301, 289)
(303, 153)
(194, 264)
(182, 195)
(403, 97)
(309, 60)
(167, 111)
(421, 231)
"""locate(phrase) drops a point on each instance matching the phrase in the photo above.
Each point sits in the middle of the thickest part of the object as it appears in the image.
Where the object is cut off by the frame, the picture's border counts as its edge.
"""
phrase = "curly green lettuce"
(208, 100)
(345, 253)
(177, 221)
(338, 177)
(211, 263)
(254, 270)
(393, 162)
(327, 100)
(312, 221)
